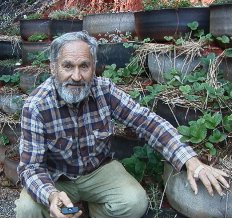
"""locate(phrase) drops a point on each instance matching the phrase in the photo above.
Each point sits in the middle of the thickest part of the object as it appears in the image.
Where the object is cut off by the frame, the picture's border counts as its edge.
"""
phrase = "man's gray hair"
(59, 42)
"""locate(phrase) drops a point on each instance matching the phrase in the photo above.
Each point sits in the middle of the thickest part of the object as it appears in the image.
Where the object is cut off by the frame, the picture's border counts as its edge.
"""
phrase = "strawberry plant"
(144, 162)
(208, 131)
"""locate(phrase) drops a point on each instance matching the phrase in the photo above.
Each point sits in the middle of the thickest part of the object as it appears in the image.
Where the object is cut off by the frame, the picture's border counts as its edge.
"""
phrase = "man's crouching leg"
(132, 205)
(26, 207)
(113, 192)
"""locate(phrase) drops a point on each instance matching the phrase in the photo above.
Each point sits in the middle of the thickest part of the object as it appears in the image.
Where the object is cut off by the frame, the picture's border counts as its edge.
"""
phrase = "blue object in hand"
(69, 210)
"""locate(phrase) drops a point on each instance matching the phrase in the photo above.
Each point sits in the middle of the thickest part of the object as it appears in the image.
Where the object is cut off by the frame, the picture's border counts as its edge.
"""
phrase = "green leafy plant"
(9, 62)
(116, 37)
(134, 94)
(151, 94)
(121, 74)
(207, 131)
(4, 139)
(194, 89)
(11, 79)
(40, 59)
(37, 37)
(11, 30)
(144, 162)
(157, 4)
(70, 14)
(215, 2)
(223, 39)
(33, 16)
(194, 34)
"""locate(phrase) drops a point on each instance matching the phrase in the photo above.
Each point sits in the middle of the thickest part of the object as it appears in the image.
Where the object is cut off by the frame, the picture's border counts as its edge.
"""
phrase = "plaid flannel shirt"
(58, 138)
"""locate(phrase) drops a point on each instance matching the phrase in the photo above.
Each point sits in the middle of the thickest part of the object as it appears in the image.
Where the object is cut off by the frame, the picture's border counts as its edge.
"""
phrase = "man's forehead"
(75, 49)
(76, 43)
(73, 61)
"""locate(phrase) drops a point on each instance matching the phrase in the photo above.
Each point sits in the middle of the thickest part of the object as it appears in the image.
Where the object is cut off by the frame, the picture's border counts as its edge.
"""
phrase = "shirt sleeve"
(158, 132)
(32, 168)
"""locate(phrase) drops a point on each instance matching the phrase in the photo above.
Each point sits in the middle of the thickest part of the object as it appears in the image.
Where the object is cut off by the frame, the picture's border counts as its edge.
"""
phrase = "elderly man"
(65, 144)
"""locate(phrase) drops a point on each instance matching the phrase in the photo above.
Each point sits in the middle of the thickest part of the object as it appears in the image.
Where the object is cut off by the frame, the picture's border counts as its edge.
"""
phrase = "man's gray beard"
(72, 95)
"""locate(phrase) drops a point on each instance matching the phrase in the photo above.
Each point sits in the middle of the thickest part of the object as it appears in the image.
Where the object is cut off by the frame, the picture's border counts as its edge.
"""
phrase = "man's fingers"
(59, 200)
(192, 183)
(220, 172)
(215, 183)
(55, 212)
(218, 175)
(76, 215)
(223, 182)
(205, 180)
(65, 199)
(209, 176)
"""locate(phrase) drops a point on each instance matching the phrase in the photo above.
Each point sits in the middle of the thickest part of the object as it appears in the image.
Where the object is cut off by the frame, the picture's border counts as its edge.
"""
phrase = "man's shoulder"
(101, 86)
(101, 81)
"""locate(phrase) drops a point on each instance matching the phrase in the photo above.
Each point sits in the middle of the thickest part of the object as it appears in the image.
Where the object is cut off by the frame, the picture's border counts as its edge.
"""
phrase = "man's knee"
(27, 207)
(136, 202)
(133, 204)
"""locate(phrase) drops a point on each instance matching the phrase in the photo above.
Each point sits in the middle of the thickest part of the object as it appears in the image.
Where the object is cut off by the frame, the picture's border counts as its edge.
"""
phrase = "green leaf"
(128, 45)
(4, 139)
(5, 78)
(211, 122)
(193, 26)
(211, 148)
(210, 57)
(179, 41)
(224, 39)
(140, 152)
(132, 165)
(15, 78)
(134, 94)
(168, 38)
(200, 33)
(146, 99)
(217, 136)
(192, 97)
(213, 151)
(209, 145)
(146, 40)
(228, 52)
(227, 123)
(185, 139)
(184, 130)
(209, 37)
(198, 133)
(185, 89)
(140, 167)
(150, 88)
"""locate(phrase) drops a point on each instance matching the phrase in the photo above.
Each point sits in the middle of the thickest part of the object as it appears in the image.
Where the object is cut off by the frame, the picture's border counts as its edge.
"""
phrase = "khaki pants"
(110, 192)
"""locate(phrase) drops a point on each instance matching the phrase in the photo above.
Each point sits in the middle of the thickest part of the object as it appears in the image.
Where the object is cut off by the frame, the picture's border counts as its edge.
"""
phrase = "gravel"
(8, 194)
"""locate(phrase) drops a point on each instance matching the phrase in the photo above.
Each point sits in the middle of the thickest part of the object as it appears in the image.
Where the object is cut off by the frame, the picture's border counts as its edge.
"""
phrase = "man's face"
(74, 71)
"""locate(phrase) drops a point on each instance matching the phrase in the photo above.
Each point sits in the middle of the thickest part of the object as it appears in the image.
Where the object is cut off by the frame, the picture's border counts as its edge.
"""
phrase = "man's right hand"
(58, 200)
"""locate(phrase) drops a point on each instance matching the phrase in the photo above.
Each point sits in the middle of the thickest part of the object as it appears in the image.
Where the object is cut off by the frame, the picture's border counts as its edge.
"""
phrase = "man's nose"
(76, 76)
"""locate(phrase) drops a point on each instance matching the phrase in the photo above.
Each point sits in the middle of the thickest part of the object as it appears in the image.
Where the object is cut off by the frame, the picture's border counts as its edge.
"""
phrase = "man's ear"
(53, 68)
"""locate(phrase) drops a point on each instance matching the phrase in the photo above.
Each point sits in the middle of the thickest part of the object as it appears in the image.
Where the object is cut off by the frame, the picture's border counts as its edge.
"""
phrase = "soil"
(8, 194)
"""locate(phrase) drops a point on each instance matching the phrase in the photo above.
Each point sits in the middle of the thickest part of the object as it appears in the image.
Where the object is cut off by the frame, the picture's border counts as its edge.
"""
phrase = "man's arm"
(163, 137)
(32, 168)
(159, 133)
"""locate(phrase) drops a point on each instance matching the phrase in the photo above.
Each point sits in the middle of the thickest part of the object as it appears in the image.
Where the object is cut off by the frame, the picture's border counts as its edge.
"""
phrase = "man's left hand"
(209, 176)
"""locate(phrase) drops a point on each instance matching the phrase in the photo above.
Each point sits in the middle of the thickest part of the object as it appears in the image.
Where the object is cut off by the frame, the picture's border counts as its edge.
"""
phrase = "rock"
(11, 103)
(202, 205)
